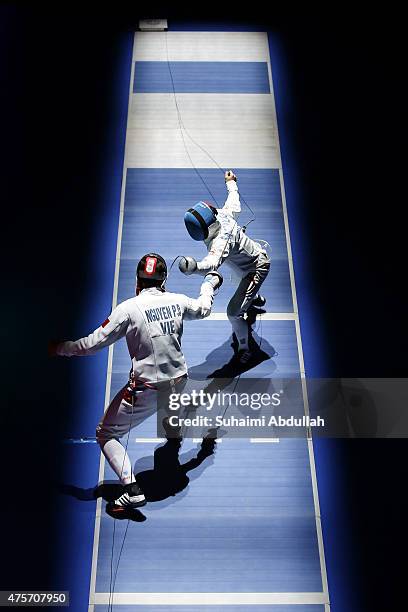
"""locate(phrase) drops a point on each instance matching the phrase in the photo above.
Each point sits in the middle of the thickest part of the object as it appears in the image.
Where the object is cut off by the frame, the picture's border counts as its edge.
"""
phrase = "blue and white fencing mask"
(198, 219)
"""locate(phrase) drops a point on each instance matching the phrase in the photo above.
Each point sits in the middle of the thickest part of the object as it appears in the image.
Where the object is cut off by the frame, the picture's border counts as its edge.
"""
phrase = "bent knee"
(103, 435)
(233, 310)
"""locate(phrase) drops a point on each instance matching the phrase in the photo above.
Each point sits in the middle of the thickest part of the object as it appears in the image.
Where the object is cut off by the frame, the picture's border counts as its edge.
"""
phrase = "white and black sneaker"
(132, 497)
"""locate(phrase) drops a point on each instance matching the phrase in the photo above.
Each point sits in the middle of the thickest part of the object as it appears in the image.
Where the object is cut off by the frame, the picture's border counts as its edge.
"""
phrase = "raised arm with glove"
(227, 242)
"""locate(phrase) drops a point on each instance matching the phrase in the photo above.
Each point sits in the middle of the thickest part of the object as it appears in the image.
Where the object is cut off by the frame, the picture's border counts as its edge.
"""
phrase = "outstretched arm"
(201, 307)
(220, 246)
(111, 330)
(232, 204)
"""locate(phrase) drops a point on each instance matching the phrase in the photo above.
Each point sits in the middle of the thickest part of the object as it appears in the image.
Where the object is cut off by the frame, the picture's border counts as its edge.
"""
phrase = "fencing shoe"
(259, 301)
(132, 497)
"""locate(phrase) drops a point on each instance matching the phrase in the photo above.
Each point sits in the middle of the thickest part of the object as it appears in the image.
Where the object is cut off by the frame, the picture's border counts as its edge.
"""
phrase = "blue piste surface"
(207, 346)
(245, 522)
(155, 203)
(201, 77)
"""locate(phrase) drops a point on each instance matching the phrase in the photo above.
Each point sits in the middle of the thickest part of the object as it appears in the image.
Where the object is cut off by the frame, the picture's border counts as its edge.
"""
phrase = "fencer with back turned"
(152, 323)
(228, 243)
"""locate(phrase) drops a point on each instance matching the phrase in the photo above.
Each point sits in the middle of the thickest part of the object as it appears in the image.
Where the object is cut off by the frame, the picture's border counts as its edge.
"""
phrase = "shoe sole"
(112, 507)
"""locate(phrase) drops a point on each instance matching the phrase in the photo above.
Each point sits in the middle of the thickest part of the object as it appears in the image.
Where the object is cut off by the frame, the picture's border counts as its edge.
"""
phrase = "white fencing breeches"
(121, 416)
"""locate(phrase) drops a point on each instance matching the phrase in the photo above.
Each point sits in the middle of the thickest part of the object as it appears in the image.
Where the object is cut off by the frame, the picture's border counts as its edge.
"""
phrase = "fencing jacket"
(152, 323)
(228, 242)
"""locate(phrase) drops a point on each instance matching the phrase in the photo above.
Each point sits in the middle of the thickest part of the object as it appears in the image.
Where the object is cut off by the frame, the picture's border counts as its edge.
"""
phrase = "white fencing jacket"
(152, 323)
(228, 242)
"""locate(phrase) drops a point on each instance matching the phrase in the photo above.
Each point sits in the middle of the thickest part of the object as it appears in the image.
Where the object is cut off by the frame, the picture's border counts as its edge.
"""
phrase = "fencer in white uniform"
(152, 323)
(227, 242)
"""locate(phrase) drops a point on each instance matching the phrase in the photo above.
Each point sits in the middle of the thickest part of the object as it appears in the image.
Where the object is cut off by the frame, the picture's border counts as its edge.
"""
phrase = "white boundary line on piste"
(301, 360)
(210, 599)
(111, 348)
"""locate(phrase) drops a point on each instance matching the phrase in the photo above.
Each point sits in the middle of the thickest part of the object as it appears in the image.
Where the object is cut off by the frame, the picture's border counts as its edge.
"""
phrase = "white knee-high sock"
(118, 459)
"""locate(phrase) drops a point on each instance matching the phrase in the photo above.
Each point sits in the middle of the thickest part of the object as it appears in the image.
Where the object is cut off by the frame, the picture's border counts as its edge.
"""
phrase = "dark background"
(345, 128)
